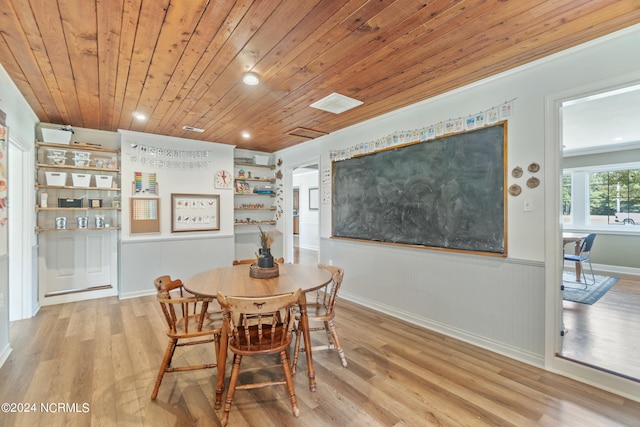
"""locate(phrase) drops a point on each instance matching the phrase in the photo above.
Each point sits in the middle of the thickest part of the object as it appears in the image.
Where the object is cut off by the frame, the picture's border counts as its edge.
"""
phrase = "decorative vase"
(265, 260)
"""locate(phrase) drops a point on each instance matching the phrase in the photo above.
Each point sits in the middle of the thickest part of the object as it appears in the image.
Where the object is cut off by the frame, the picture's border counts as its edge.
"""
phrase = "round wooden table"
(235, 281)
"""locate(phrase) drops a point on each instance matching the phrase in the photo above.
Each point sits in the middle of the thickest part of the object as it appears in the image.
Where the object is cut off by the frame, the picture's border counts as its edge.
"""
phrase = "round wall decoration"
(515, 190)
(517, 172)
(533, 182)
(534, 167)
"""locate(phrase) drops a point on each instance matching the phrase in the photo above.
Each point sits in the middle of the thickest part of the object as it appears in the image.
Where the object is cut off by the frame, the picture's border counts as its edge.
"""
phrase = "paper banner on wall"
(475, 121)
(164, 158)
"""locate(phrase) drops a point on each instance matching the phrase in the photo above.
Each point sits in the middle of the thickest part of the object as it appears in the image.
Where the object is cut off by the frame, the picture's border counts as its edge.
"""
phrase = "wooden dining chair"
(244, 261)
(253, 261)
(257, 327)
(190, 321)
(321, 307)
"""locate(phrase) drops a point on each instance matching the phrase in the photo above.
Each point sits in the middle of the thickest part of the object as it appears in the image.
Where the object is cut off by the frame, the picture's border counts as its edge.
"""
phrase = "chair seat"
(575, 258)
(270, 342)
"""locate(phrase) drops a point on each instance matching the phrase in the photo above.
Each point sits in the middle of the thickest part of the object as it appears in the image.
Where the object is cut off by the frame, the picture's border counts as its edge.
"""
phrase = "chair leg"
(289, 380)
(336, 341)
(166, 361)
(584, 276)
(327, 330)
(296, 350)
(235, 371)
(593, 276)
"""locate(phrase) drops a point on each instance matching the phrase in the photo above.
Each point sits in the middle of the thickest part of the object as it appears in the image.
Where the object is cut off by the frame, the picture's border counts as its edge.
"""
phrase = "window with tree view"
(614, 197)
(566, 198)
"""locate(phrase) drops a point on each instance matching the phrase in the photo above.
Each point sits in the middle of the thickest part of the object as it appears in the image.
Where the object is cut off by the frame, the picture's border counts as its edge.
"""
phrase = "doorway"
(306, 228)
(21, 304)
(600, 144)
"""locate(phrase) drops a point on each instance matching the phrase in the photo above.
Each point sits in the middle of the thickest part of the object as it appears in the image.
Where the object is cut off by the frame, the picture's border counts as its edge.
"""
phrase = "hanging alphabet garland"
(165, 158)
(484, 118)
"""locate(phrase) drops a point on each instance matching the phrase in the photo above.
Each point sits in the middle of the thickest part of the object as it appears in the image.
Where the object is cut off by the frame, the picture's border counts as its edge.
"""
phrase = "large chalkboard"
(447, 193)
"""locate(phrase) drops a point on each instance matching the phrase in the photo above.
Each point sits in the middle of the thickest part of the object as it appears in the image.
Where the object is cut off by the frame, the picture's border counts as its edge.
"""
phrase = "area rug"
(575, 291)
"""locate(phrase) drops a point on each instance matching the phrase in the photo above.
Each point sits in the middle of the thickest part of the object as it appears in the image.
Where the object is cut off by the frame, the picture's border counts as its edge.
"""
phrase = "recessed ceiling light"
(336, 103)
(250, 79)
(191, 128)
(245, 134)
(139, 116)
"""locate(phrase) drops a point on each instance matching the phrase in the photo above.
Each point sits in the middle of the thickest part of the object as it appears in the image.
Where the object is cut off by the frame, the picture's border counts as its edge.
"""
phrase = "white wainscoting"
(143, 260)
(494, 303)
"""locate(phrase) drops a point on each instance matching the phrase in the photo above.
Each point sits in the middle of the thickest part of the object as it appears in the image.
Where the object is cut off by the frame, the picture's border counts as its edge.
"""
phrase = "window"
(602, 195)
(566, 198)
(617, 195)
(612, 197)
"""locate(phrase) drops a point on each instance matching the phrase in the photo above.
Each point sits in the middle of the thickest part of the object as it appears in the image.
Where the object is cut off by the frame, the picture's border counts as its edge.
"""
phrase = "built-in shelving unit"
(78, 216)
(255, 203)
(254, 194)
(85, 167)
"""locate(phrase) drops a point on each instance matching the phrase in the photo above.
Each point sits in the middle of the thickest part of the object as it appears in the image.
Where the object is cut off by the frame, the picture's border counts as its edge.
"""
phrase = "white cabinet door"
(76, 265)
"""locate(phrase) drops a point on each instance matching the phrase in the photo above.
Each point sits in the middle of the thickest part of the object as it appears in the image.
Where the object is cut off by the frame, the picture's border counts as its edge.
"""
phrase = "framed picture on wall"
(313, 199)
(195, 212)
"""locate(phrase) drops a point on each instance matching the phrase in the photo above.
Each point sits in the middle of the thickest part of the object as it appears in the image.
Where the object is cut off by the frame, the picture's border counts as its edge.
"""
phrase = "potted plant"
(265, 259)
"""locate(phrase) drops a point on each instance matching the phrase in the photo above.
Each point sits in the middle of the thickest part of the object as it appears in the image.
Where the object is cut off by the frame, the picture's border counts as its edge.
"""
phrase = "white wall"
(146, 256)
(305, 179)
(21, 122)
(492, 302)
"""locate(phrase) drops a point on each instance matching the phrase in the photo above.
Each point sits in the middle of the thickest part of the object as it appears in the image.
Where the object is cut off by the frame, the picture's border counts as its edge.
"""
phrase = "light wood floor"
(104, 353)
(301, 255)
(606, 334)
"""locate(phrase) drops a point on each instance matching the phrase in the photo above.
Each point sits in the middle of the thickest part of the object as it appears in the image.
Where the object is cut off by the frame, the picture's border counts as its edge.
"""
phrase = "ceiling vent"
(336, 103)
(191, 128)
(306, 133)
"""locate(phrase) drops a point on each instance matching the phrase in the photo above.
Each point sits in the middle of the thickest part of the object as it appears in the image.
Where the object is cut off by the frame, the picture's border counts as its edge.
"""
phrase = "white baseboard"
(309, 247)
(78, 296)
(6, 351)
(529, 358)
(614, 269)
(137, 294)
(608, 270)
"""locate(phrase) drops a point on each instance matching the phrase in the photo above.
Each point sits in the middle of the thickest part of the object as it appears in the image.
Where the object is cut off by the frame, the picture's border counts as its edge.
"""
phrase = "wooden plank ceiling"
(94, 63)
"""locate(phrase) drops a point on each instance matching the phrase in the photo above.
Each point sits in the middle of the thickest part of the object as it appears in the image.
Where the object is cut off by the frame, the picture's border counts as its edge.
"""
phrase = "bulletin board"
(195, 212)
(145, 215)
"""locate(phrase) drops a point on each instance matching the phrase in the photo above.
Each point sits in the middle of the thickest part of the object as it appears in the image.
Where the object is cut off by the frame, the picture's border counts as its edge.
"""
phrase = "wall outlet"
(1, 300)
(528, 205)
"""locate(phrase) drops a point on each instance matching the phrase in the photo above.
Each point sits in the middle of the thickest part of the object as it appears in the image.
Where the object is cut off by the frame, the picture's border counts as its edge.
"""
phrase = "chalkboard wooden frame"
(445, 194)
